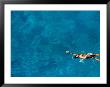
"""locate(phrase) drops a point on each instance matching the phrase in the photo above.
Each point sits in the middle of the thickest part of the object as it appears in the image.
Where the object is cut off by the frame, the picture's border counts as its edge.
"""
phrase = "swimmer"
(84, 56)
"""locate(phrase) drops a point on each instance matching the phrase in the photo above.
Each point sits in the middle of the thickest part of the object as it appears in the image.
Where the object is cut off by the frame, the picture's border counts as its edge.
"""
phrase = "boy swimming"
(84, 56)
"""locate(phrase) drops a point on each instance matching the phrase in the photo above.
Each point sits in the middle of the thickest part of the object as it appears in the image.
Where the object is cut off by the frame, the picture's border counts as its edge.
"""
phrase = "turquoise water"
(39, 40)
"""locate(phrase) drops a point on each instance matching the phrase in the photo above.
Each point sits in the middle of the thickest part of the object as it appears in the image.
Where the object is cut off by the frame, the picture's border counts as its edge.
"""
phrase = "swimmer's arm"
(74, 54)
(85, 57)
(72, 57)
(81, 60)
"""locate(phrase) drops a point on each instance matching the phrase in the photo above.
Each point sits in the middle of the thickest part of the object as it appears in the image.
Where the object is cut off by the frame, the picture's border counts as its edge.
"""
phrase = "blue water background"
(39, 40)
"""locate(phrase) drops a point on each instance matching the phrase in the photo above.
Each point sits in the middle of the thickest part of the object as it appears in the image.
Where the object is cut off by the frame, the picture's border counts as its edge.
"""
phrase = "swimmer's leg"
(97, 59)
(97, 54)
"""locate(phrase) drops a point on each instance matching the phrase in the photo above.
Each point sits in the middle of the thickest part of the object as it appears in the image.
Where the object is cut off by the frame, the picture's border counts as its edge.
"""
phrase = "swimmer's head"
(67, 51)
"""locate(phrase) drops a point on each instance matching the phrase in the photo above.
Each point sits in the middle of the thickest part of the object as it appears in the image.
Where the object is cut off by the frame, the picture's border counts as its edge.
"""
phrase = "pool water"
(39, 40)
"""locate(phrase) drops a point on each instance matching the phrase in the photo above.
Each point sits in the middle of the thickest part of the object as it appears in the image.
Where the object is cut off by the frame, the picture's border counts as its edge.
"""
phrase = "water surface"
(39, 40)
